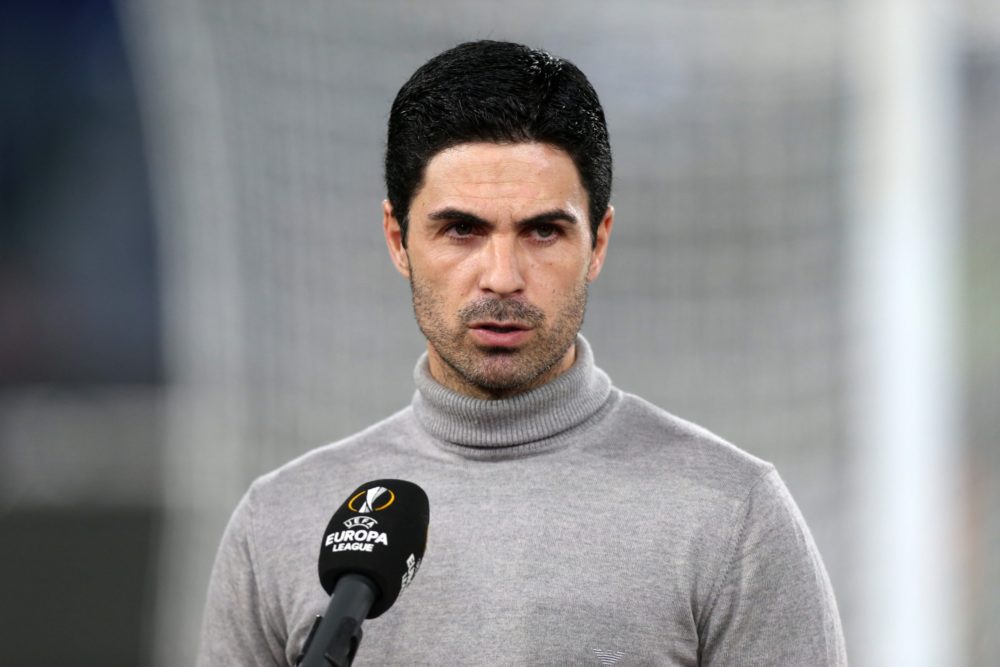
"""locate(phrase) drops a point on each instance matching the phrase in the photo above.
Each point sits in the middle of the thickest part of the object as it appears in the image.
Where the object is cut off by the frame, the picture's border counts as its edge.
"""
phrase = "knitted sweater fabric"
(574, 524)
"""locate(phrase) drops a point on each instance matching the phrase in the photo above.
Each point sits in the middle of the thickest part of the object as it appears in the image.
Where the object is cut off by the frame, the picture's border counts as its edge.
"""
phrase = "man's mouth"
(500, 334)
(499, 327)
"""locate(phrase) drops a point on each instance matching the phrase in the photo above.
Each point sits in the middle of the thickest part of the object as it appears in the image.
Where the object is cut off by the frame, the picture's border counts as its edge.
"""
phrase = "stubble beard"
(498, 372)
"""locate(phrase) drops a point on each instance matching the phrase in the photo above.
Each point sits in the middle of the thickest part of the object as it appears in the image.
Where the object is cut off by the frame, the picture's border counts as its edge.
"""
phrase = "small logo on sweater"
(374, 500)
(608, 658)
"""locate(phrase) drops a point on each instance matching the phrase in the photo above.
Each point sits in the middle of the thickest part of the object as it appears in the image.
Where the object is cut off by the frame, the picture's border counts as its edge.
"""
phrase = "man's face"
(499, 256)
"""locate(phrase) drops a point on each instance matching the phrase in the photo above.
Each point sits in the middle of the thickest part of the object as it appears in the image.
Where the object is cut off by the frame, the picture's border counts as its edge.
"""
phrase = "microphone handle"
(335, 640)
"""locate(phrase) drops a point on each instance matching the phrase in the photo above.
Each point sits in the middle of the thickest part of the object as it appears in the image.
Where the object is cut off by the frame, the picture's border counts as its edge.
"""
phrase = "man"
(572, 523)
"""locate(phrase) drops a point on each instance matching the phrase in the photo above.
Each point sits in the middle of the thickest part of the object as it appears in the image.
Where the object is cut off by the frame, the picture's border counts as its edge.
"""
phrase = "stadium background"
(194, 288)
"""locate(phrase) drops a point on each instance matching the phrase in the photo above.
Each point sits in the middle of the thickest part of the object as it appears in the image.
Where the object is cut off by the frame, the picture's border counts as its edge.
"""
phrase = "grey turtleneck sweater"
(571, 525)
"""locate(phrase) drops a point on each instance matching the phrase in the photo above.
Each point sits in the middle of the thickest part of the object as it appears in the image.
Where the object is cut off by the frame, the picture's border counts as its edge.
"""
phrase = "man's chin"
(499, 376)
(495, 369)
(500, 351)
(504, 373)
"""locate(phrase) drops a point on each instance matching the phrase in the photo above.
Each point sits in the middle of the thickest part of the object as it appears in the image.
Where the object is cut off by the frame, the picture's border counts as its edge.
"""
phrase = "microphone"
(370, 552)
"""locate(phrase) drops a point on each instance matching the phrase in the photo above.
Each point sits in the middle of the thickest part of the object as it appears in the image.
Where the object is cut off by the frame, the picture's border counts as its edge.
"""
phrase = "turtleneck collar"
(524, 422)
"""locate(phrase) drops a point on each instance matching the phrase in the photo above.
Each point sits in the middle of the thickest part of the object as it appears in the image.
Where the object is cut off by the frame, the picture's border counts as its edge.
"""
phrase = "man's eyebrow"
(547, 217)
(451, 214)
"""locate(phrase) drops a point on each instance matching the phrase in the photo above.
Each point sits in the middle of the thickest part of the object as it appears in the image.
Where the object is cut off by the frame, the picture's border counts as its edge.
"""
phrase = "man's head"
(502, 93)
(499, 234)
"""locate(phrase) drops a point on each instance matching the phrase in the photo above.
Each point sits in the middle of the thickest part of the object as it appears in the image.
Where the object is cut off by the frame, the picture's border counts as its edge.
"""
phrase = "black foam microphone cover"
(379, 532)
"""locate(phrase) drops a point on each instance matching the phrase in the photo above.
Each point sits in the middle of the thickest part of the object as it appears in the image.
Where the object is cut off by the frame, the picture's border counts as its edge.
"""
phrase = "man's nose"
(502, 271)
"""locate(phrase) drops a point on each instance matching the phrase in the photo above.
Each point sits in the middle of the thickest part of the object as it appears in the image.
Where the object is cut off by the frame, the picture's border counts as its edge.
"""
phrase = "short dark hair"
(496, 92)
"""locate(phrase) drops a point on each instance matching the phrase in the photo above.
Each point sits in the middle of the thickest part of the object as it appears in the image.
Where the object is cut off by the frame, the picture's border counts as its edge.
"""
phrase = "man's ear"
(600, 250)
(394, 240)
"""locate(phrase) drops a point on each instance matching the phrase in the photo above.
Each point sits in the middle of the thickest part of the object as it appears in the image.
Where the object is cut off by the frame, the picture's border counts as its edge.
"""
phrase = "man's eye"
(461, 229)
(545, 231)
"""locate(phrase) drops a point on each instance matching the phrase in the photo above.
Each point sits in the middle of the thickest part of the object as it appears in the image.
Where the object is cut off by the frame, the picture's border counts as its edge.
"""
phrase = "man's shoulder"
(344, 462)
(682, 448)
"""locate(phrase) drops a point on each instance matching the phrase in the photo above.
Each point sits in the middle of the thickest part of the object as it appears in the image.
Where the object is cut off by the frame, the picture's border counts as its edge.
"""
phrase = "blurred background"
(194, 287)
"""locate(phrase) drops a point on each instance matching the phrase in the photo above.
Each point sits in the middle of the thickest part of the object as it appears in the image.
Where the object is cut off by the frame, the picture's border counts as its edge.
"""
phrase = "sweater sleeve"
(772, 603)
(235, 629)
